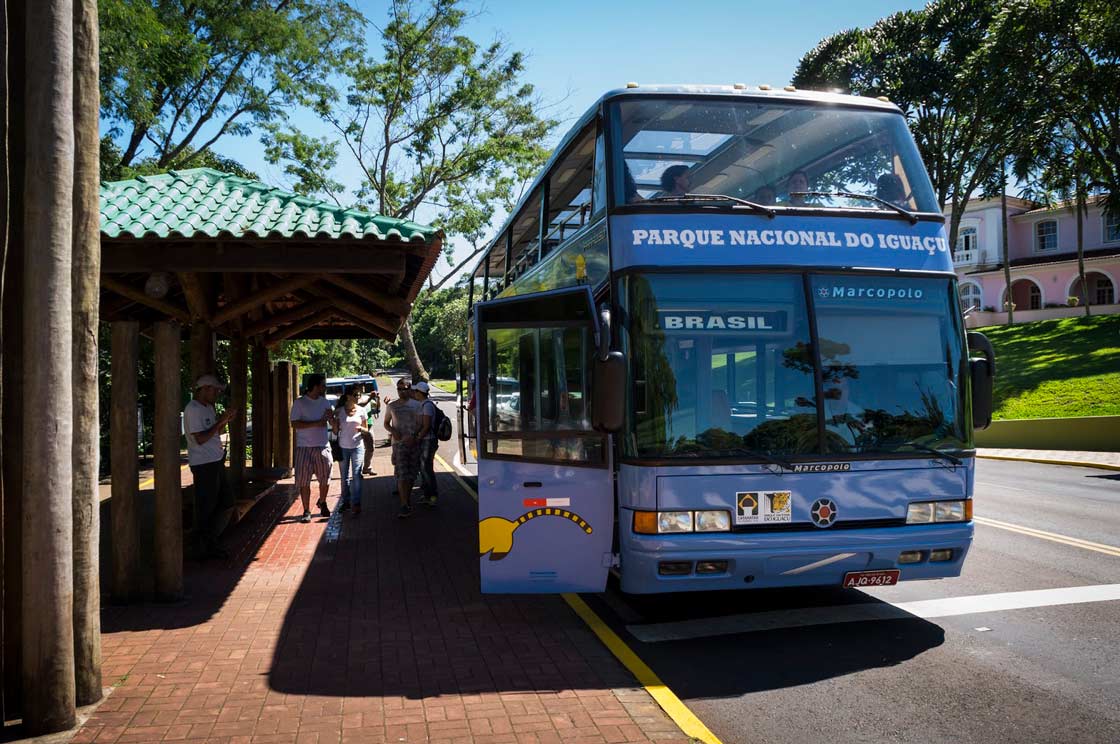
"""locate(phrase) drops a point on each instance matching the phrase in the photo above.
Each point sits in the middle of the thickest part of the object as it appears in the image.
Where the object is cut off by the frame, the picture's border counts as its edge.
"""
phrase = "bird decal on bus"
(495, 534)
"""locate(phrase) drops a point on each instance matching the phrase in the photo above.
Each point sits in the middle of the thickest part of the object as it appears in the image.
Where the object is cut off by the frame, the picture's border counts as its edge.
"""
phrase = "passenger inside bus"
(675, 181)
(889, 188)
(765, 195)
(798, 181)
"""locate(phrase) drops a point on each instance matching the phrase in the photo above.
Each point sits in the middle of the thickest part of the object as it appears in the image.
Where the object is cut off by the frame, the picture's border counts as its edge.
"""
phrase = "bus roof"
(788, 93)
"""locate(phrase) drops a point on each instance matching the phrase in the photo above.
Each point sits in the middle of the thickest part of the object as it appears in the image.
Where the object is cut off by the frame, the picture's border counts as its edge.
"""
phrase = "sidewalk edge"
(1048, 461)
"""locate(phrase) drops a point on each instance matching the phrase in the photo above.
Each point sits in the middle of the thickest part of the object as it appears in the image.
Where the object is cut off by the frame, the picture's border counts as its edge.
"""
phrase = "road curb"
(1046, 461)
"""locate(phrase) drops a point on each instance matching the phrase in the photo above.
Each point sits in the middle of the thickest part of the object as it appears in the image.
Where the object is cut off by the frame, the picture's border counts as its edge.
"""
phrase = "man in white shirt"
(213, 496)
(310, 416)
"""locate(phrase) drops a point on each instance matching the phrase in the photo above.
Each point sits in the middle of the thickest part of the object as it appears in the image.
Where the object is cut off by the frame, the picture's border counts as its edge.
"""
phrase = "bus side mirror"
(608, 392)
(982, 370)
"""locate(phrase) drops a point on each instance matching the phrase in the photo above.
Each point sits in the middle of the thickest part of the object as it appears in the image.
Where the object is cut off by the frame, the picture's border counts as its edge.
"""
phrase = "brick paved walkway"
(362, 629)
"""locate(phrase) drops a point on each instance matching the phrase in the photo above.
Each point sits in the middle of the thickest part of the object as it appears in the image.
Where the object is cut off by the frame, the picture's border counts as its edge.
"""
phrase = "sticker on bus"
(763, 507)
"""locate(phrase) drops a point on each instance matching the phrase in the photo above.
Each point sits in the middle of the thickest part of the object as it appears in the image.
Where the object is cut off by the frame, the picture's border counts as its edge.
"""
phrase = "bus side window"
(569, 191)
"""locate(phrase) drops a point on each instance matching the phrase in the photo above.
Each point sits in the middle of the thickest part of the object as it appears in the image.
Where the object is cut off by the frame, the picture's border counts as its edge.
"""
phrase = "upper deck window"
(767, 152)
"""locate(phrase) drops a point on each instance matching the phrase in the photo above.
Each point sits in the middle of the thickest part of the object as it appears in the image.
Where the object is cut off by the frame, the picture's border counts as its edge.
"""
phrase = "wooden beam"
(125, 507)
(271, 292)
(168, 475)
(284, 318)
(238, 398)
(367, 327)
(288, 331)
(260, 408)
(282, 377)
(356, 310)
(137, 295)
(85, 273)
(350, 256)
(195, 294)
(394, 305)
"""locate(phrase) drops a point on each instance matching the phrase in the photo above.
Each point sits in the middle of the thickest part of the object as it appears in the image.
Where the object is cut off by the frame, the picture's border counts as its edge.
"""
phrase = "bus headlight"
(674, 521)
(929, 512)
(713, 521)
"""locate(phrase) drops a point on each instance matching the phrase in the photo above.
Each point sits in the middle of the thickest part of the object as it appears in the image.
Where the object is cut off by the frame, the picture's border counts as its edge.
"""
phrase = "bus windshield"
(725, 366)
(782, 154)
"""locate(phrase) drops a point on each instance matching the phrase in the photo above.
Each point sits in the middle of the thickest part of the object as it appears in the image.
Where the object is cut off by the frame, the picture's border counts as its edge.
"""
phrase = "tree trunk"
(48, 430)
(84, 277)
(411, 356)
(1081, 209)
(168, 475)
(1003, 239)
(124, 509)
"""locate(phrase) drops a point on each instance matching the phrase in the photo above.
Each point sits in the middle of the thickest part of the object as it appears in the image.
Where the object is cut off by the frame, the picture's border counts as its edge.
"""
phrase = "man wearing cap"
(428, 442)
(213, 496)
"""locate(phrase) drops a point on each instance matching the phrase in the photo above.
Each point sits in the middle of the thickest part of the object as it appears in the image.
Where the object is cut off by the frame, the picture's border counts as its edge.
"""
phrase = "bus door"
(545, 490)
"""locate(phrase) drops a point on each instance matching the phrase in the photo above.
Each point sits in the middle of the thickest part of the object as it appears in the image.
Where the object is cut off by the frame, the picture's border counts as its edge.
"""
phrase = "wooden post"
(275, 414)
(48, 430)
(261, 408)
(293, 393)
(168, 475)
(124, 510)
(238, 398)
(86, 269)
(202, 350)
(283, 410)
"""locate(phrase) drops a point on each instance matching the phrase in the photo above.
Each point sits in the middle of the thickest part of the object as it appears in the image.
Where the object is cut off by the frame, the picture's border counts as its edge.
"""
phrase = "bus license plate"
(861, 579)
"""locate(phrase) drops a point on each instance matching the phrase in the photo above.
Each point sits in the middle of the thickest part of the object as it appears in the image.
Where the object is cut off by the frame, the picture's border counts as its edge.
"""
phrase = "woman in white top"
(352, 422)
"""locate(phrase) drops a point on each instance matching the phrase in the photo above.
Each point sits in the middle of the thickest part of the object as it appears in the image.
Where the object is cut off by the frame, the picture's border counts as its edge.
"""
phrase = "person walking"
(206, 455)
(310, 417)
(429, 443)
(402, 421)
(352, 430)
(370, 402)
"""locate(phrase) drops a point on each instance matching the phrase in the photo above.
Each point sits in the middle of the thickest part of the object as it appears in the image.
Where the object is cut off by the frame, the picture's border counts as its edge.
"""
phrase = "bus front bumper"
(692, 562)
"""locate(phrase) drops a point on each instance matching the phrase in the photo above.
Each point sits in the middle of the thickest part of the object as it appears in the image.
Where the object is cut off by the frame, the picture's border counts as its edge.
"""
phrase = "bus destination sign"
(737, 321)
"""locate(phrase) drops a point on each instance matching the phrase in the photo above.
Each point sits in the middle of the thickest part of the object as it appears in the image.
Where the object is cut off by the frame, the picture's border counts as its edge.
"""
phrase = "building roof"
(1064, 257)
(203, 202)
(256, 261)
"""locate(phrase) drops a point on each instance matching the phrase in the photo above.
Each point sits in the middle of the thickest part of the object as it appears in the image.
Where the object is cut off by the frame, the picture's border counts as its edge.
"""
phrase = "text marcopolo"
(808, 238)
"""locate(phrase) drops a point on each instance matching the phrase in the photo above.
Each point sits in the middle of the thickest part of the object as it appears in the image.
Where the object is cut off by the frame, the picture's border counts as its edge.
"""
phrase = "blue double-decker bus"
(718, 346)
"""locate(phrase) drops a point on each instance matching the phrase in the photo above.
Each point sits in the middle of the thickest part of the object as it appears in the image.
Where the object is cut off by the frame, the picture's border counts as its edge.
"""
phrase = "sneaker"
(406, 511)
(306, 518)
(430, 501)
(323, 510)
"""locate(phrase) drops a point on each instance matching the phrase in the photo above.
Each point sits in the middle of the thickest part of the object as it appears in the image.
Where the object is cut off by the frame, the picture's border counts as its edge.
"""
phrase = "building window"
(1111, 228)
(1046, 235)
(970, 297)
(1036, 297)
(1103, 292)
(966, 240)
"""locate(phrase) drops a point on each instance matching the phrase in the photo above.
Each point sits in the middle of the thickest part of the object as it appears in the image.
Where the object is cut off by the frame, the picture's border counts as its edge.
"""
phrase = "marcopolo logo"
(841, 292)
(822, 467)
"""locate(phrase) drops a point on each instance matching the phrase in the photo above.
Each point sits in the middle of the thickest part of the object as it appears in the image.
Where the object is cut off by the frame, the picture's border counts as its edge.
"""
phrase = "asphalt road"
(793, 666)
(1045, 672)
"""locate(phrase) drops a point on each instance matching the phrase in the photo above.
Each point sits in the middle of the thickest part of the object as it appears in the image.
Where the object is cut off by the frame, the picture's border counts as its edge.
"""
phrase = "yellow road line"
(685, 719)
(1051, 536)
(150, 481)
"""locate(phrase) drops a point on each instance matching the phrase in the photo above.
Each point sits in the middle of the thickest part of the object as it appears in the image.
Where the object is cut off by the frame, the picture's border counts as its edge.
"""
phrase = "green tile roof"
(202, 202)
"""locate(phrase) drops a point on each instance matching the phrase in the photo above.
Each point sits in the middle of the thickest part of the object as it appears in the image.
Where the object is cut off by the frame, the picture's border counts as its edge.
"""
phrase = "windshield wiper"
(931, 450)
(764, 456)
(913, 218)
(715, 197)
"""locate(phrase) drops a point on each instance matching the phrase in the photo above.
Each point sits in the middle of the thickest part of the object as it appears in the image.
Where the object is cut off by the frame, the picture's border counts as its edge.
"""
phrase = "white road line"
(924, 609)
(817, 564)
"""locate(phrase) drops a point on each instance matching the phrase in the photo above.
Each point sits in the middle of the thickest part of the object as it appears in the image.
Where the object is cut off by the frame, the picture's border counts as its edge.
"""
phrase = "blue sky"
(578, 49)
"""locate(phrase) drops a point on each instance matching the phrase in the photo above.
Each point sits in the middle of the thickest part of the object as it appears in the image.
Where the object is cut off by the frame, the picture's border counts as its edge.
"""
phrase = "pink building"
(1042, 245)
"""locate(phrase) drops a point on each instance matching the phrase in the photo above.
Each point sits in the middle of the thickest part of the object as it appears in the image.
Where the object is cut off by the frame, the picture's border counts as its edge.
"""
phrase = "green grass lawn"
(1057, 368)
(445, 385)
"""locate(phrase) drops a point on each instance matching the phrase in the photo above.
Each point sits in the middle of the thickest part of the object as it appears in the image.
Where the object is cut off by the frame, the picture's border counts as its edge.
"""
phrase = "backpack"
(441, 424)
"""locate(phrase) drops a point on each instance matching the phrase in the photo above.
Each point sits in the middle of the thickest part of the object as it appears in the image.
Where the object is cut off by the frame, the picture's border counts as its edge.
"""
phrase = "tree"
(921, 61)
(438, 121)
(178, 75)
(439, 326)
